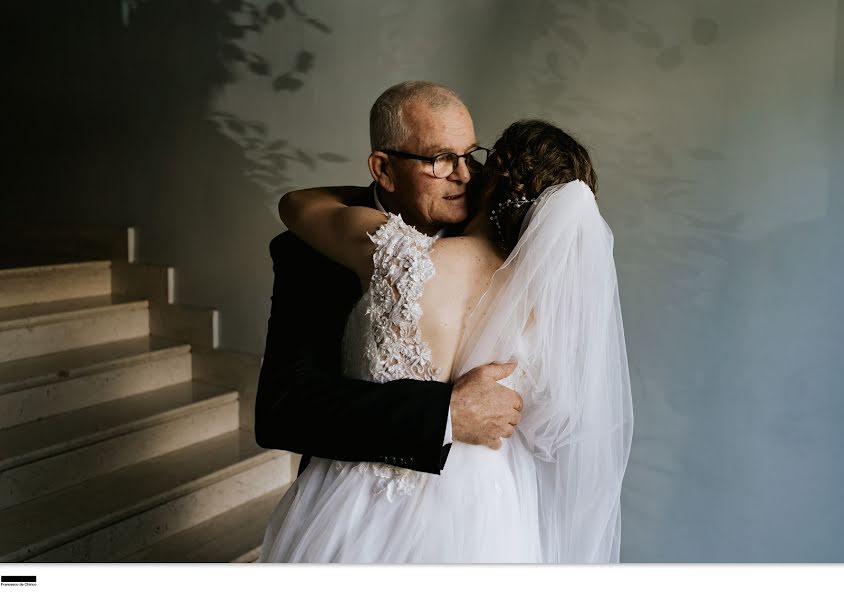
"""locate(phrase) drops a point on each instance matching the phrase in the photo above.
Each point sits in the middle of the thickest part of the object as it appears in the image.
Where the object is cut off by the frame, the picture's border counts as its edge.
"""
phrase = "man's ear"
(379, 168)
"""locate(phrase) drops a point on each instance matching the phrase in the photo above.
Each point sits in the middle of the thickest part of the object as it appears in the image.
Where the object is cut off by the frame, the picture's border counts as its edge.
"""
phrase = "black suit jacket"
(305, 405)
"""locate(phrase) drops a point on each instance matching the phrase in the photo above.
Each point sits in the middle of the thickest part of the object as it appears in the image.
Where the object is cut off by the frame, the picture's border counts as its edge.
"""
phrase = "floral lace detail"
(391, 481)
(394, 348)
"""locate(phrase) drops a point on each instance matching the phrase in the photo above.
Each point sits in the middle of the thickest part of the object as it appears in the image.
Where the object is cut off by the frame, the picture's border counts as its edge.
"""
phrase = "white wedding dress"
(551, 493)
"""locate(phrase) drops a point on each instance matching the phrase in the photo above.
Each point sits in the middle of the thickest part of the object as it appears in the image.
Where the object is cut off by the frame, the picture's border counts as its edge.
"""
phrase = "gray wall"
(718, 133)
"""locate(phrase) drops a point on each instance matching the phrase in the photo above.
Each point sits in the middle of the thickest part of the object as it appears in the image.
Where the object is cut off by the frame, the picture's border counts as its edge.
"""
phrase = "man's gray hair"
(387, 130)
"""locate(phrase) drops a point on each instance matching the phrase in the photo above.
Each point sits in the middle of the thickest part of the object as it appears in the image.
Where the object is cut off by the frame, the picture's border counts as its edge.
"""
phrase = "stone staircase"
(125, 432)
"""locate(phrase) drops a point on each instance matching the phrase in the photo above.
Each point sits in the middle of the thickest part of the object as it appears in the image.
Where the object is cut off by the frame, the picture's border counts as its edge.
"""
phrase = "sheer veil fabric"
(554, 307)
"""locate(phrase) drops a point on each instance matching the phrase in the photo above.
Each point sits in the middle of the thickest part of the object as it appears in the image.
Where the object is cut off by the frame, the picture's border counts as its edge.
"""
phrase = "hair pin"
(511, 204)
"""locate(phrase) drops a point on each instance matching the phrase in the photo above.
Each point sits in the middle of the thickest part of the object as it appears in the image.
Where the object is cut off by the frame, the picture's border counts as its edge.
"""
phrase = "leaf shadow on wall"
(112, 96)
(267, 157)
(670, 247)
(113, 125)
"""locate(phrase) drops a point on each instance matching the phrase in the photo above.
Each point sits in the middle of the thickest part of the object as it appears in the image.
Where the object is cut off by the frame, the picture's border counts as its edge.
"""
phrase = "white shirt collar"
(378, 204)
(380, 207)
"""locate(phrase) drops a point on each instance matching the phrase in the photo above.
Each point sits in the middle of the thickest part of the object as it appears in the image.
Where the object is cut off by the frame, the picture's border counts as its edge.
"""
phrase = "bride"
(531, 279)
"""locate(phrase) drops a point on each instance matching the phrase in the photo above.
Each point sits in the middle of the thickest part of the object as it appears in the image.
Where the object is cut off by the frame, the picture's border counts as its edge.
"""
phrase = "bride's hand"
(482, 410)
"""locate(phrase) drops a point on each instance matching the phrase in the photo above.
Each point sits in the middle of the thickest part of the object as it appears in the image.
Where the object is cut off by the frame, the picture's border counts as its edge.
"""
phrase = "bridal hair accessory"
(510, 203)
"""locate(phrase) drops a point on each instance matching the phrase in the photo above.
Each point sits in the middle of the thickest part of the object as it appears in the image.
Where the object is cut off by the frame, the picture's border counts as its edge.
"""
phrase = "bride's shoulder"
(462, 253)
(392, 228)
(461, 244)
(464, 266)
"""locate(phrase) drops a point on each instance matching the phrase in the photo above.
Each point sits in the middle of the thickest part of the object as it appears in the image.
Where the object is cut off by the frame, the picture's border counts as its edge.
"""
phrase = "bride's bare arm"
(322, 218)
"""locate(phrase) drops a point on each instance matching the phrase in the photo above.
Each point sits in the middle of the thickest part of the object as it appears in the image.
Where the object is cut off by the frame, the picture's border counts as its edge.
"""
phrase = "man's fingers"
(496, 444)
(501, 371)
(520, 404)
(515, 418)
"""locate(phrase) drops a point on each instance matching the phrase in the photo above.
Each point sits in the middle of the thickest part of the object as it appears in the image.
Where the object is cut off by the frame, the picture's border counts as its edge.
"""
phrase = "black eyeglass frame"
(454, 164)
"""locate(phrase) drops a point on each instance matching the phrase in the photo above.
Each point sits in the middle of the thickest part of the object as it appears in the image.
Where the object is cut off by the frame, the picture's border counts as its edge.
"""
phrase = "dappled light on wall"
(659, 171)
(268, 155)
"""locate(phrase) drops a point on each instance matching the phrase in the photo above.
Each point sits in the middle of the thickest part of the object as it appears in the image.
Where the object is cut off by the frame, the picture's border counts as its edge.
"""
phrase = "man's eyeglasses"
(445, 164)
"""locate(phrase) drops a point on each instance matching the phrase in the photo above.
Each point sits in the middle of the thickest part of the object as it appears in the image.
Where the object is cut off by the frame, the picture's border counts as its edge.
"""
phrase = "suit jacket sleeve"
(305, 405)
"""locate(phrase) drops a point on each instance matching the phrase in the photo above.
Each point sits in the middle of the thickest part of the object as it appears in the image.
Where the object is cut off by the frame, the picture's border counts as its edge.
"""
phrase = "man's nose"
(461, 173)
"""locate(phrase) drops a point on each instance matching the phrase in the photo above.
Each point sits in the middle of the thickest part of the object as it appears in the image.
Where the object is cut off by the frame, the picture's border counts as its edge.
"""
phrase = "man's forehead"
(448, 129)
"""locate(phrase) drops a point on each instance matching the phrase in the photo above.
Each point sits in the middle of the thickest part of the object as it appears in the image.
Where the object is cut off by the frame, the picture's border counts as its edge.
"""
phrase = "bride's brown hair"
(529, 156)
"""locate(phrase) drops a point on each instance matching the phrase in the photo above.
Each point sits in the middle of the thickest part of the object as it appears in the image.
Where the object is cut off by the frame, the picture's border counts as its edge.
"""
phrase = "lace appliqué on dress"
(394, 345)
(403, 265)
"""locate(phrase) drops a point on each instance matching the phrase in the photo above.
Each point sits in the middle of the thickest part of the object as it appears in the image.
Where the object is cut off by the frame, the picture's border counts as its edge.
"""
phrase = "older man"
(422, 137)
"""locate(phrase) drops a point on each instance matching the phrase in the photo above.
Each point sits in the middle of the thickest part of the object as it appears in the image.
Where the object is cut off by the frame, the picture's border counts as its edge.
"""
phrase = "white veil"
(554, 307)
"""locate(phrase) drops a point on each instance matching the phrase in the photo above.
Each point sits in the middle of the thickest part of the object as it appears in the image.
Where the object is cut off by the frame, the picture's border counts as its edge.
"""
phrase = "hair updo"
(529, 156)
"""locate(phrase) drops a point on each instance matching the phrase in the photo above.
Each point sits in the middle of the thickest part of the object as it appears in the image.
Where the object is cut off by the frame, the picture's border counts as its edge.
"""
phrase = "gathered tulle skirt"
(481, 509)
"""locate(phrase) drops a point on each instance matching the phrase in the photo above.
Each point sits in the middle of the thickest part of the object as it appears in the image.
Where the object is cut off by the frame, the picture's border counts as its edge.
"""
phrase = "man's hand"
(482, 410)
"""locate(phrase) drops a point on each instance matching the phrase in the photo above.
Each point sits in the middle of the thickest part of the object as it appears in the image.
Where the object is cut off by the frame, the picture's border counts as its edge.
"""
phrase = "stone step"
(234, 536)
(50, 283)
(43, 456)
(37, 329)
(35, 388)
(20, 259)
(112, 516)
(43, 240)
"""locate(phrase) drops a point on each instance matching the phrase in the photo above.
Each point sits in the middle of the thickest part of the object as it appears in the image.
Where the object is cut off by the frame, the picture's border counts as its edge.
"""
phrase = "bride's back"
(410, 321)
(463, 270)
